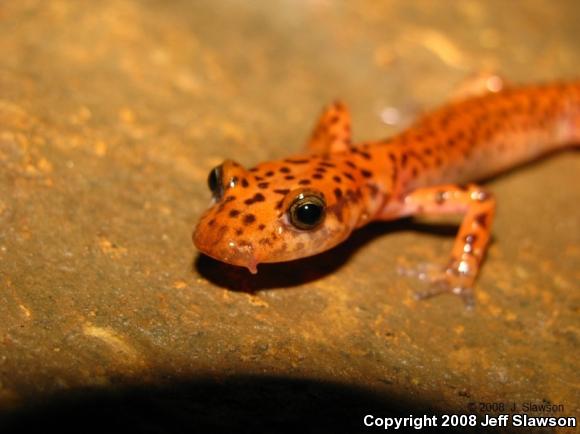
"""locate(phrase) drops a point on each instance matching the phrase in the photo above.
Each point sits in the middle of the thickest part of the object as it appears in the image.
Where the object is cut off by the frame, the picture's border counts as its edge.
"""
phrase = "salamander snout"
(225, 249)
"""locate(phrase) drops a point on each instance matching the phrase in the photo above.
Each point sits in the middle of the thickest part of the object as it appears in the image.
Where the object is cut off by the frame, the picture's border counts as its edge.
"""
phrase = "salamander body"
(307, 203)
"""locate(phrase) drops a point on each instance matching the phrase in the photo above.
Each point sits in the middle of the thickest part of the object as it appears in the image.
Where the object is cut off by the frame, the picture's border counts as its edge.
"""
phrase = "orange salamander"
(308, 203)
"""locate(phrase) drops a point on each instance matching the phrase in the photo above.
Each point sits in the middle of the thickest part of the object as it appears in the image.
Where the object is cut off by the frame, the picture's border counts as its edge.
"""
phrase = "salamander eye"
(215, 182)
(307, 211)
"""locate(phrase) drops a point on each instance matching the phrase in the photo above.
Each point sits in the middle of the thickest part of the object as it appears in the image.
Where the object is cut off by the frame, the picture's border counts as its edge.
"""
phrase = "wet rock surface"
(112, 114)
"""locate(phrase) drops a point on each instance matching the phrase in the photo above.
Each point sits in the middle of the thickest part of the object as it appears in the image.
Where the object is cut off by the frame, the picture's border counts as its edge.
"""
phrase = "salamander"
(310, 202)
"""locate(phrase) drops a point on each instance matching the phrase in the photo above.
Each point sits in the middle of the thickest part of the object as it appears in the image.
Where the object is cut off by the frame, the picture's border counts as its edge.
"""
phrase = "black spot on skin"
(366, 173)
(229, 198)
(249, 219)
(394, 174)
(348, 175)
(440, 197)
(338, 193)
(392, 157)
(254, 169)
(414, 172)
(289, 177)
(354, 195)
(419, 158)
(269, 173)
(481, 220)
(244, 183)
(320, 169)
(304, 182)
(333, 119)
(327, 164)
(262, 226)
(281, 191)
(445, 121)
(234, 213)
(211, 222)
(317, 176)
(285, 170)
(263, 184)
(239, 232)
(365, 155)
(404, 160)
(258, 197)
(374, 189)
(288, 160)
(351, 164)
(337, 179)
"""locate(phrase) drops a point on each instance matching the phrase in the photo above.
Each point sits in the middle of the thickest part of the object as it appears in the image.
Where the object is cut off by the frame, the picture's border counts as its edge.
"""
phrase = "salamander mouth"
(239, 254)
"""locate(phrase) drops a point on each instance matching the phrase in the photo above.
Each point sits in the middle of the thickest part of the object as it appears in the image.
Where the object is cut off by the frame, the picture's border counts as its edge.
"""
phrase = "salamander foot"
(442, 280)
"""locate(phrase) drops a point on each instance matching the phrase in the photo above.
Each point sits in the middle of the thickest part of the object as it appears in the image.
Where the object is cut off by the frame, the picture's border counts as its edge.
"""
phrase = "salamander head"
(276, 212)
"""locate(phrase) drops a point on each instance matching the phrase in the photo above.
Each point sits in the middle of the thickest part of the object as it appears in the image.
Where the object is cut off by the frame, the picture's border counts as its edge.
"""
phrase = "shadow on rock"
(301, 271)
(234, 405)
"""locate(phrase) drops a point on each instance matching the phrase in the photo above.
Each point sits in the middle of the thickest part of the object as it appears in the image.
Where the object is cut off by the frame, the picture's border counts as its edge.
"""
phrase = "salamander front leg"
(332, 132)
(472, 239)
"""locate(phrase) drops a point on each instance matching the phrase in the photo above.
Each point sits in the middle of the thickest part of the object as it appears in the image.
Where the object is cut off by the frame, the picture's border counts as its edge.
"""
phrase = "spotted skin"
(422, 170)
